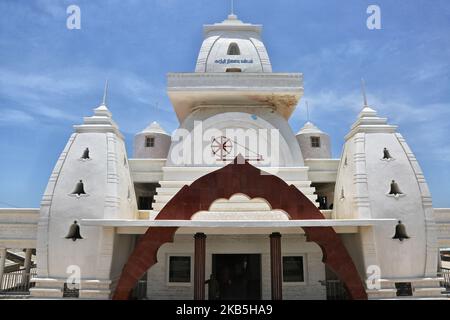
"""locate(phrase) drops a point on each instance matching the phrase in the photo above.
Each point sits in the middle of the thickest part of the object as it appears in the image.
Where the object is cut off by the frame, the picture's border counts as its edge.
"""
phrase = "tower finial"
(307, 110)
(232, 7)
(105, 93)
(363, 89)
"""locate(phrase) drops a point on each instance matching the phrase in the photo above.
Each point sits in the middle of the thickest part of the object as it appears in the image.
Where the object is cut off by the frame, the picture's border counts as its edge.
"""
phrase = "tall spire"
(105, 93)
(363, 89)
(232, 7)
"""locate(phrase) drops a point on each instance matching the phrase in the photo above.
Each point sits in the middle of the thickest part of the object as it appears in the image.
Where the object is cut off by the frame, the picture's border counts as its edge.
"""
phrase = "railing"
(17, 282)
(335, 290)
(445, 273)
(140, 290)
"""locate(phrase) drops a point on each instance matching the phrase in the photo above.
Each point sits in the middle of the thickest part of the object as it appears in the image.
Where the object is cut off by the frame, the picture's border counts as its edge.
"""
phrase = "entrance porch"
(242, 265)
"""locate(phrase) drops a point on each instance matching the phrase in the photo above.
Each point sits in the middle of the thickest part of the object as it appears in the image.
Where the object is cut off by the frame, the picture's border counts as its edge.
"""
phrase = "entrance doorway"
(238, 275)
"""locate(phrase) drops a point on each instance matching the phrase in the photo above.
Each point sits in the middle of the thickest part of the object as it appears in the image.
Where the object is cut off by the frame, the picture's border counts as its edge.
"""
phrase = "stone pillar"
(27, 266)
(275, 266)
(199, 266)
(2, 264)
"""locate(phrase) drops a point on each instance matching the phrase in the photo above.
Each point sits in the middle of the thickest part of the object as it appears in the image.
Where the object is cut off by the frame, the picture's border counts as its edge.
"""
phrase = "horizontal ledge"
(240, 75)
(238, 223)
(19, 210)
(229, 161)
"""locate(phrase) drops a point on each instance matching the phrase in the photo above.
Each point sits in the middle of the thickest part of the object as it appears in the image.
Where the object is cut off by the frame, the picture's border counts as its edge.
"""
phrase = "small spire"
(232, 16)
(363, 89)
(366, 110)
(307, 110)
(105, 93)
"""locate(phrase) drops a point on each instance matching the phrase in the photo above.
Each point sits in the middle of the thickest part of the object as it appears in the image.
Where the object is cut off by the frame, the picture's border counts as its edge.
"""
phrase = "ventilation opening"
(74, 232)
(400, 232)
(85, 155)
(79, 189)
(233, 50)
(395, 189)
(386, 154)
(233, 70)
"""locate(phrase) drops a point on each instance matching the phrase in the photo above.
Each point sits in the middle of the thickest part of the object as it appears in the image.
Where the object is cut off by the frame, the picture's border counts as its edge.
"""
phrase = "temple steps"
(170, 188)
(422, 288)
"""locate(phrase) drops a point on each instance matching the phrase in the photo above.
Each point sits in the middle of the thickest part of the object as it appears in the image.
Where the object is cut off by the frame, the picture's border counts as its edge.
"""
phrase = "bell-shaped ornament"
(85, 155)
(74, 232)
(386, 154)
(395, 190)
(79, 189)
(342, 194)
(400, 232)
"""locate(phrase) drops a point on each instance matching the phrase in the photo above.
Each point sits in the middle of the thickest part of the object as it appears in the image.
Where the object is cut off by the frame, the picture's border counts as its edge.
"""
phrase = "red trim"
(224, 183)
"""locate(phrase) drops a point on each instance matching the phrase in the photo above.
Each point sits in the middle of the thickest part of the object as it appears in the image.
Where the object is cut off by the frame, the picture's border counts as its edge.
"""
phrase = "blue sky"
(51, 77)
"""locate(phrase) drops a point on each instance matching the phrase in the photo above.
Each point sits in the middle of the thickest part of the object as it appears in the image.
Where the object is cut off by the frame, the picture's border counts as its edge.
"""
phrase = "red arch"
(223, 183)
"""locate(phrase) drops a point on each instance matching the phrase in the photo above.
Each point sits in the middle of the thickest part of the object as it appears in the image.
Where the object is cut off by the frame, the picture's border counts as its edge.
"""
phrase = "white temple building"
(234, 204)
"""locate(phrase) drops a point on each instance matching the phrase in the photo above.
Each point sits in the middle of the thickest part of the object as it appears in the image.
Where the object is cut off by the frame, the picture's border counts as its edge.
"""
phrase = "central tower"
(233, 88)
(233, 46)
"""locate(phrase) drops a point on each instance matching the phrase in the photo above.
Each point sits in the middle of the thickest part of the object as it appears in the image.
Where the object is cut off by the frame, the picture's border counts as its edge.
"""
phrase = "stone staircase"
(422, 288)
(169, 188)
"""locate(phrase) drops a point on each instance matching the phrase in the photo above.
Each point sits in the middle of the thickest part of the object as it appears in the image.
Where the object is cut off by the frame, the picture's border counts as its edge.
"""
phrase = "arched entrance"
(240, 177)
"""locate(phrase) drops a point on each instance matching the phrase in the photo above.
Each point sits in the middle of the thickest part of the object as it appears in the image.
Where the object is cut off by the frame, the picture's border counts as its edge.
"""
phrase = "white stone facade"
(233, 88)
(109, 192)
(292, 245)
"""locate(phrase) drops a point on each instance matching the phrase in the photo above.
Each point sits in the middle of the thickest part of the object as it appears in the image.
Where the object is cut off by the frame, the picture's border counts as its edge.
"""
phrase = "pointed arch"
(233, 49)
(239, 177)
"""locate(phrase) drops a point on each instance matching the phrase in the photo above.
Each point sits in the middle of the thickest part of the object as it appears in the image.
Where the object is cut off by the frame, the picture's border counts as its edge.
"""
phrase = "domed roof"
(233, 45)
(310, 128)
(154, 127)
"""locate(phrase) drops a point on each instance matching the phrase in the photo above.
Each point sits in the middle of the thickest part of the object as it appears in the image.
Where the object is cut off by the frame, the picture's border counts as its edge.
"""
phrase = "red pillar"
(275, 266)
(199, 266)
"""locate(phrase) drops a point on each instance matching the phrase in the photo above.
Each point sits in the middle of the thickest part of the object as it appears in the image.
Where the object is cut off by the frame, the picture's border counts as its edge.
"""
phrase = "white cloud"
(12, 117)
(51, 7)
(54, 98)
(425, 127)
(429, 71)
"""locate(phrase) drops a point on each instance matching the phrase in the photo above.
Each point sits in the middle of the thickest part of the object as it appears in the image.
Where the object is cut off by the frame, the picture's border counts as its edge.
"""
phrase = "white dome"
(154, 127)
(233, 46)
(314, 143)
(310, 128)
(152, 143)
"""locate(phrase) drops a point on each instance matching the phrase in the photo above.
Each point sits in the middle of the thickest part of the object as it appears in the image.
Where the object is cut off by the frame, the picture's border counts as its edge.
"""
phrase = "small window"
(233, 50)
(315, 142)
(293, 269)
(234, 70)
(149, 142)
(179, 269)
